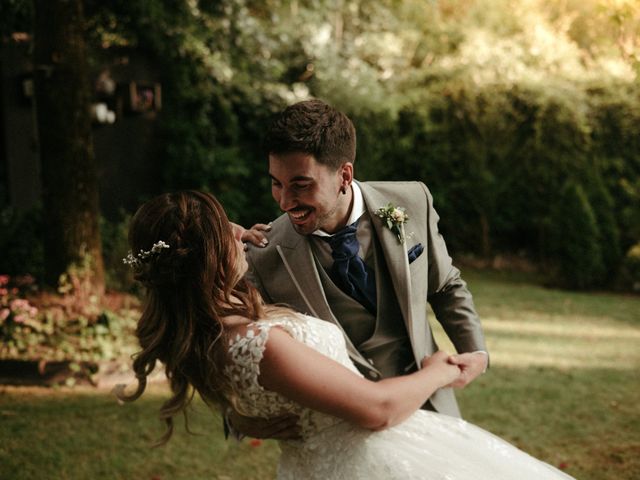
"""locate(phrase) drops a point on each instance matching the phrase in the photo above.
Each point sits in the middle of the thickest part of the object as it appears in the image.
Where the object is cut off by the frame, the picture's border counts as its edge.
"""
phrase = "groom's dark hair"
(314, 128)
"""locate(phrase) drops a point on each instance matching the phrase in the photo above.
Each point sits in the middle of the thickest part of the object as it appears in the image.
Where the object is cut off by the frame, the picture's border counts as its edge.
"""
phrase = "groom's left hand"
(471, 365)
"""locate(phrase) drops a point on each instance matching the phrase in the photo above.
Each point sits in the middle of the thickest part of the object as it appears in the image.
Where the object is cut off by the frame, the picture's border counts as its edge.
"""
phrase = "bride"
(211, 330)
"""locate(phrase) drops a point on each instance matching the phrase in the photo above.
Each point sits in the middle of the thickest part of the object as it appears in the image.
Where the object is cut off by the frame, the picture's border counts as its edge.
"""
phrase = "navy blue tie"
(349, 272)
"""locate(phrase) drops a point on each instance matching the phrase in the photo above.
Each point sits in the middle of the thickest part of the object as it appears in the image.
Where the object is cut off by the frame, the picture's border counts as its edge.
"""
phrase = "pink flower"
(4, 291)
(398, 215)
(19, 318)
(4, 279)
(19, 304)
(33, 311)
(4, 314)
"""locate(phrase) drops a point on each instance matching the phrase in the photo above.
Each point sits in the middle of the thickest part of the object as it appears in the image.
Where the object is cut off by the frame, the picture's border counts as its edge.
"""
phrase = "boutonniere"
(394, 218)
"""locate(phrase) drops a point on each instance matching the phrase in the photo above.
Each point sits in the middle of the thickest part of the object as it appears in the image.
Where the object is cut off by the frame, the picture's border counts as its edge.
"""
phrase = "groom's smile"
(310, 192)
(298, 215)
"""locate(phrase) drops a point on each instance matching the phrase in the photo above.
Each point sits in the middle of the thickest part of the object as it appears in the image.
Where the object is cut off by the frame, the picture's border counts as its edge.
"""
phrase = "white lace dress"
(426, 446)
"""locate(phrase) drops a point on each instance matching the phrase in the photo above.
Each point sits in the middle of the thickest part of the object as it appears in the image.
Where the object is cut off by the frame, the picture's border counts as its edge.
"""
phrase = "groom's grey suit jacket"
(286, 272)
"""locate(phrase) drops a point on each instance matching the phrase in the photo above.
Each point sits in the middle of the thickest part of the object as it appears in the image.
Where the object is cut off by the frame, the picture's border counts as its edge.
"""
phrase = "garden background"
(522, 117)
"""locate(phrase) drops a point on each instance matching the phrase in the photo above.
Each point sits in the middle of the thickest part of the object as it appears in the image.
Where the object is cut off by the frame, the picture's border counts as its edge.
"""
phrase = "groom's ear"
(346, 172)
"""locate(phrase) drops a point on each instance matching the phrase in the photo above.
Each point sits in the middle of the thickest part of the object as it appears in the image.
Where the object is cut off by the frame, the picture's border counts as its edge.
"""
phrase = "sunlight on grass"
(586, 330)
(532, 326)
(562, 345)
(527, 342)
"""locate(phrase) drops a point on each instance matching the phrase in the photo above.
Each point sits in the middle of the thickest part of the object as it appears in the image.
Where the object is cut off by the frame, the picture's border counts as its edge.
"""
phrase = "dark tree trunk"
(69, 177)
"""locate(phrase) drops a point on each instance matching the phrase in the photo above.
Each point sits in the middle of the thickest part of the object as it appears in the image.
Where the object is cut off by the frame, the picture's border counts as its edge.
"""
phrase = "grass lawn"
(564, 385)
(83, 434)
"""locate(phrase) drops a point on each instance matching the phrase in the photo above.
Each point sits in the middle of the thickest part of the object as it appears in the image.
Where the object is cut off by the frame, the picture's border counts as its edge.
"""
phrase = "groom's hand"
(284, 427)
(471, 365)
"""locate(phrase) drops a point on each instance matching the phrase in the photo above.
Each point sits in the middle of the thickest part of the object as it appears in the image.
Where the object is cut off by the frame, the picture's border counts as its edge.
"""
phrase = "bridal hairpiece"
(137, 259)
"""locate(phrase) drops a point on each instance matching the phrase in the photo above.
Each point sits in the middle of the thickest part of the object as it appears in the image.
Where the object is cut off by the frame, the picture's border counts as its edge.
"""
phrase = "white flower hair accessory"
(394, 218)
(137, 259)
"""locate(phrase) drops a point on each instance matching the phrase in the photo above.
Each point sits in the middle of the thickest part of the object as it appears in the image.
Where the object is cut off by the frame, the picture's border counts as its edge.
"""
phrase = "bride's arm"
(311, 379)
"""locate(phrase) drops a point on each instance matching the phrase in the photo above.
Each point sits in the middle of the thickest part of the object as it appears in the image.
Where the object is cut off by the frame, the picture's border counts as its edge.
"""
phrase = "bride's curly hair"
(190, 287)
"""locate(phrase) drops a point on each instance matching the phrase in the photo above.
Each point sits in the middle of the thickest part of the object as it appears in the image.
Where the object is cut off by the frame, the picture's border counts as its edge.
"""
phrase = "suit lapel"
(395, 255)
(296, 254)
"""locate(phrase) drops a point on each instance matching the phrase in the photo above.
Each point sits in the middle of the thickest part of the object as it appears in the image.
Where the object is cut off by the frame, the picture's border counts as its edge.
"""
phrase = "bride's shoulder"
(241, 330)
(237, 326)
(295, 324)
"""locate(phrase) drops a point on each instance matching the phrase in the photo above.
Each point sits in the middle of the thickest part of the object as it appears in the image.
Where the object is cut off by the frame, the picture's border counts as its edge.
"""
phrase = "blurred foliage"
(115, 247)
(497, 105)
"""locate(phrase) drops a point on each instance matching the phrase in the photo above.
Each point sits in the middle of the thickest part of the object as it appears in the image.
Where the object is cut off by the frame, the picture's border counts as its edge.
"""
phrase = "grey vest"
(383, 339)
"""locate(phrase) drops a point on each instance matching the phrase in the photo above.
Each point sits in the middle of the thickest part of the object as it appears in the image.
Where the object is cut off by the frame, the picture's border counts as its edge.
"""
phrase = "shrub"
(631, 268)
(73, 325)
(609, 233)
(574, 240)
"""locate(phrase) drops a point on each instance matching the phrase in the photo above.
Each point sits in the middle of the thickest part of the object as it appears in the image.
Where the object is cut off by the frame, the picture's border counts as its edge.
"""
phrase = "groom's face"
(310, 192)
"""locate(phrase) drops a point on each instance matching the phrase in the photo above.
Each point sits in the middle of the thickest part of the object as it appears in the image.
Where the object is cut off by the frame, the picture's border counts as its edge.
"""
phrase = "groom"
(332, 256)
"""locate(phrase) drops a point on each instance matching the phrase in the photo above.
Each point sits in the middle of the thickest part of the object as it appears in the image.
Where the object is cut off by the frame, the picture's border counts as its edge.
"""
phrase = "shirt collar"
(356, 210)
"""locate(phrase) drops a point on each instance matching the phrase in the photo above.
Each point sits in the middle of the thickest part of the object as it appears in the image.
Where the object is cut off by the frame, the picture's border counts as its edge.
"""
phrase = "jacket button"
(374, 375)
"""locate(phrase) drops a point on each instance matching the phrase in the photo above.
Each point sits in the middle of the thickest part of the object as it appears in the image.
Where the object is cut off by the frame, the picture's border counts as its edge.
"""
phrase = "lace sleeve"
(245, 352)
(245, 355)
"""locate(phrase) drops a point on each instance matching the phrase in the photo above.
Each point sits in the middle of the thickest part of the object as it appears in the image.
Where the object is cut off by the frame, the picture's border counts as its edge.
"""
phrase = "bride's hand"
(439, 365)
(255, 235)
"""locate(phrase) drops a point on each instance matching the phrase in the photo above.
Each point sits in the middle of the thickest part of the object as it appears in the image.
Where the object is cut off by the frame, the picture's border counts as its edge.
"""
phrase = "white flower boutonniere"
(395, 218)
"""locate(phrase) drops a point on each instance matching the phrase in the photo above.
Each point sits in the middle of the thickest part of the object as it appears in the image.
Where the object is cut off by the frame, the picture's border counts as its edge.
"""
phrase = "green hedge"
(498, 157)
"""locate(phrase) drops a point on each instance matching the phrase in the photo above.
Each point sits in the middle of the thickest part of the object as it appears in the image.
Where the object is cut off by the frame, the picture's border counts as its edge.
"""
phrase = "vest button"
(374, 375)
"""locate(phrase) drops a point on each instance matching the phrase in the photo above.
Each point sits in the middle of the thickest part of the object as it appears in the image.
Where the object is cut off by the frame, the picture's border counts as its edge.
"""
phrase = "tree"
(69, 177)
